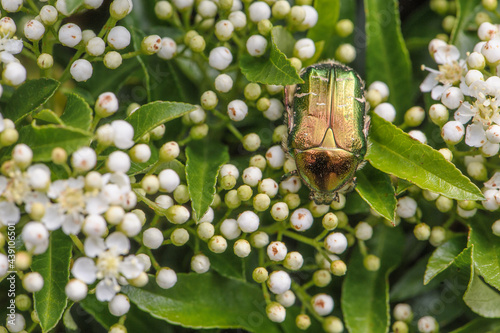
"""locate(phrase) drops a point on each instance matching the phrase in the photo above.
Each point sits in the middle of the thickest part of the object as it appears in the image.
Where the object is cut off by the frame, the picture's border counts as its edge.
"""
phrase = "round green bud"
(227, 182)
(225, 5)
(414, 116)
(318, 210)
(296, 63)
(422, 231)
(330, 221)
(2, 240)
(117, 328)
(296, 15)
(189, 35)
(448, 23)
(303, 322)
(345, 53)
(205, 231)
(206, 24)
(280, 9)
(245, 192)
(447, 154)
(429, 195)
(490, 5)
(338, 267)
(179, 236)
(198, 132)
(216, 201)
(259, 239)
(157, 132)
(482, 17)
(132, 108)
(289, 165)
(251, 142)
(217, 244)
(439, 6)
(292, 200)
(264, 27)
(232, 200)
(169, 151)
(163, 10)
(371, 262)
(444, 204)
(400, 327)
(252, 91)
(322, 278)
(342, 218)
(340, 204)
(45, 61)
(258, 161)
(8, 137)
(344, 28)
(23, 260)
(304, 2)
(209, 100)
(260, 274)
(151, 44)
(279, 133)
(150, 184)
(181, 194)
(263, 104)
(140, 214)
(34, 317)
(478, 171)
(59, 156)
(197, 44)
(23, 302)
(177, 214)
(438, 236)
(374, 97)
(261, 202)
(280, 211)
(467, 204)
(333, 324)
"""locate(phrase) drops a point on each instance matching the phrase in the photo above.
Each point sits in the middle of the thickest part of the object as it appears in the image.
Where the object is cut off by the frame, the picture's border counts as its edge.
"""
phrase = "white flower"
(10, 213)
(109, 266)
(450, 70)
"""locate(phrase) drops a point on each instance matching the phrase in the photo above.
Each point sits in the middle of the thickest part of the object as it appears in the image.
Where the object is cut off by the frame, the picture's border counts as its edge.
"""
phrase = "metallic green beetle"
(327, 128)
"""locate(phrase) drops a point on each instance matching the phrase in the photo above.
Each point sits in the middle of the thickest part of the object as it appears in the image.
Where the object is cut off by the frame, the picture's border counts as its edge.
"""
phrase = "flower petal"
(93, 246)
(84, 269)
(131, 267)
(429, 82)
(475, 135)
(118, 242)
(106, 290)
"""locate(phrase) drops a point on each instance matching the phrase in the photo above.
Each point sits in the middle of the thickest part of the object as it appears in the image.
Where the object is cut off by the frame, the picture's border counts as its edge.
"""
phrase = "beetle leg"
(367, 126)
(349, 186)
(289, 174)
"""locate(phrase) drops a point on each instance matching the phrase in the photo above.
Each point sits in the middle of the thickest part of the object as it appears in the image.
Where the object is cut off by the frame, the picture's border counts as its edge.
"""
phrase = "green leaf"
(42, 139)
(387, 58)
(71, 5)
(395, 152)
(77, 113)
(68, 320)
(481, 298)
(376, 189)
(205, 301)
(324, 30)
(276, 69)
(28, 97)
(98, 310)
(462, 36)
(53, 265)
(151, 115)
(48, 116)
(171, 83)
(204, 158)
(443, 257)
(355, 204)
(284, 40)
(365, 294)
(480, 325)
(486, 254)
(403, 185)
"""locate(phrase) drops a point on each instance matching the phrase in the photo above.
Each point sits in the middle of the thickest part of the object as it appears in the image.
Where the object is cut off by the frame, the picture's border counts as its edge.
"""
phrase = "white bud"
(406, 207)
(491, 51)
(48, 14)
(166, 278)
(248, 221)
(220, 58)
(118, 38)
(76, 290)
(106, 104)
(276, 312)
(258, 11)
(364, 231)
(16, 324)
(418, 135)
(112, 60)
(94, 226)
(14, 74)
(81, 70)
(12, 6)
(452, 132)
(301, 219)
(183, 4)
(223, 83)
(487, 31)
(70, 35)
(168, 48)
(207, 9)
(386, 111)
(238, 19)
(279, 282)
(452, 97)
(22, 154)
(152, 238)
(229, 170)
(476, 60)
(304, 49)
(275, 157)
(200, 263)
(224, 30)
(322, 304)
(169, 180)
(252, 176)
(336, 243)
(256, 45)
(84, 159)
(276, 251)
(34, 30)
(229, 228)
(33, 282)
(119, 305)
(118, 161)
(92, 4)
(237, 110)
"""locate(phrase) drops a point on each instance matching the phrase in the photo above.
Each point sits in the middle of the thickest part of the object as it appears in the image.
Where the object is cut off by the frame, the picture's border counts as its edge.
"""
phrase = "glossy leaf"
(204, 158)
(154, 114)
(205, 301)
(276, 69)
(486, 254)
(481, 298)
(42, 139)
(443, 257)
(387, 58)
(284, 40)
(77, 113)
(98, 310)
(28, 97)
(376, 189)
(461, 36)
(395, 152)
(48, 116)
(365, 294)
(53, 265)
(480, 325)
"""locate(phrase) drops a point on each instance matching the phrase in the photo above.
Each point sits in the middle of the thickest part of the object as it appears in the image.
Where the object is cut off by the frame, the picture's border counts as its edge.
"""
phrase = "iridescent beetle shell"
(327, 128)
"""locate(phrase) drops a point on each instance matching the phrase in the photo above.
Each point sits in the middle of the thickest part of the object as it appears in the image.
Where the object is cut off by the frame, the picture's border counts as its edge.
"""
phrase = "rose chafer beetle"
(327, 128)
